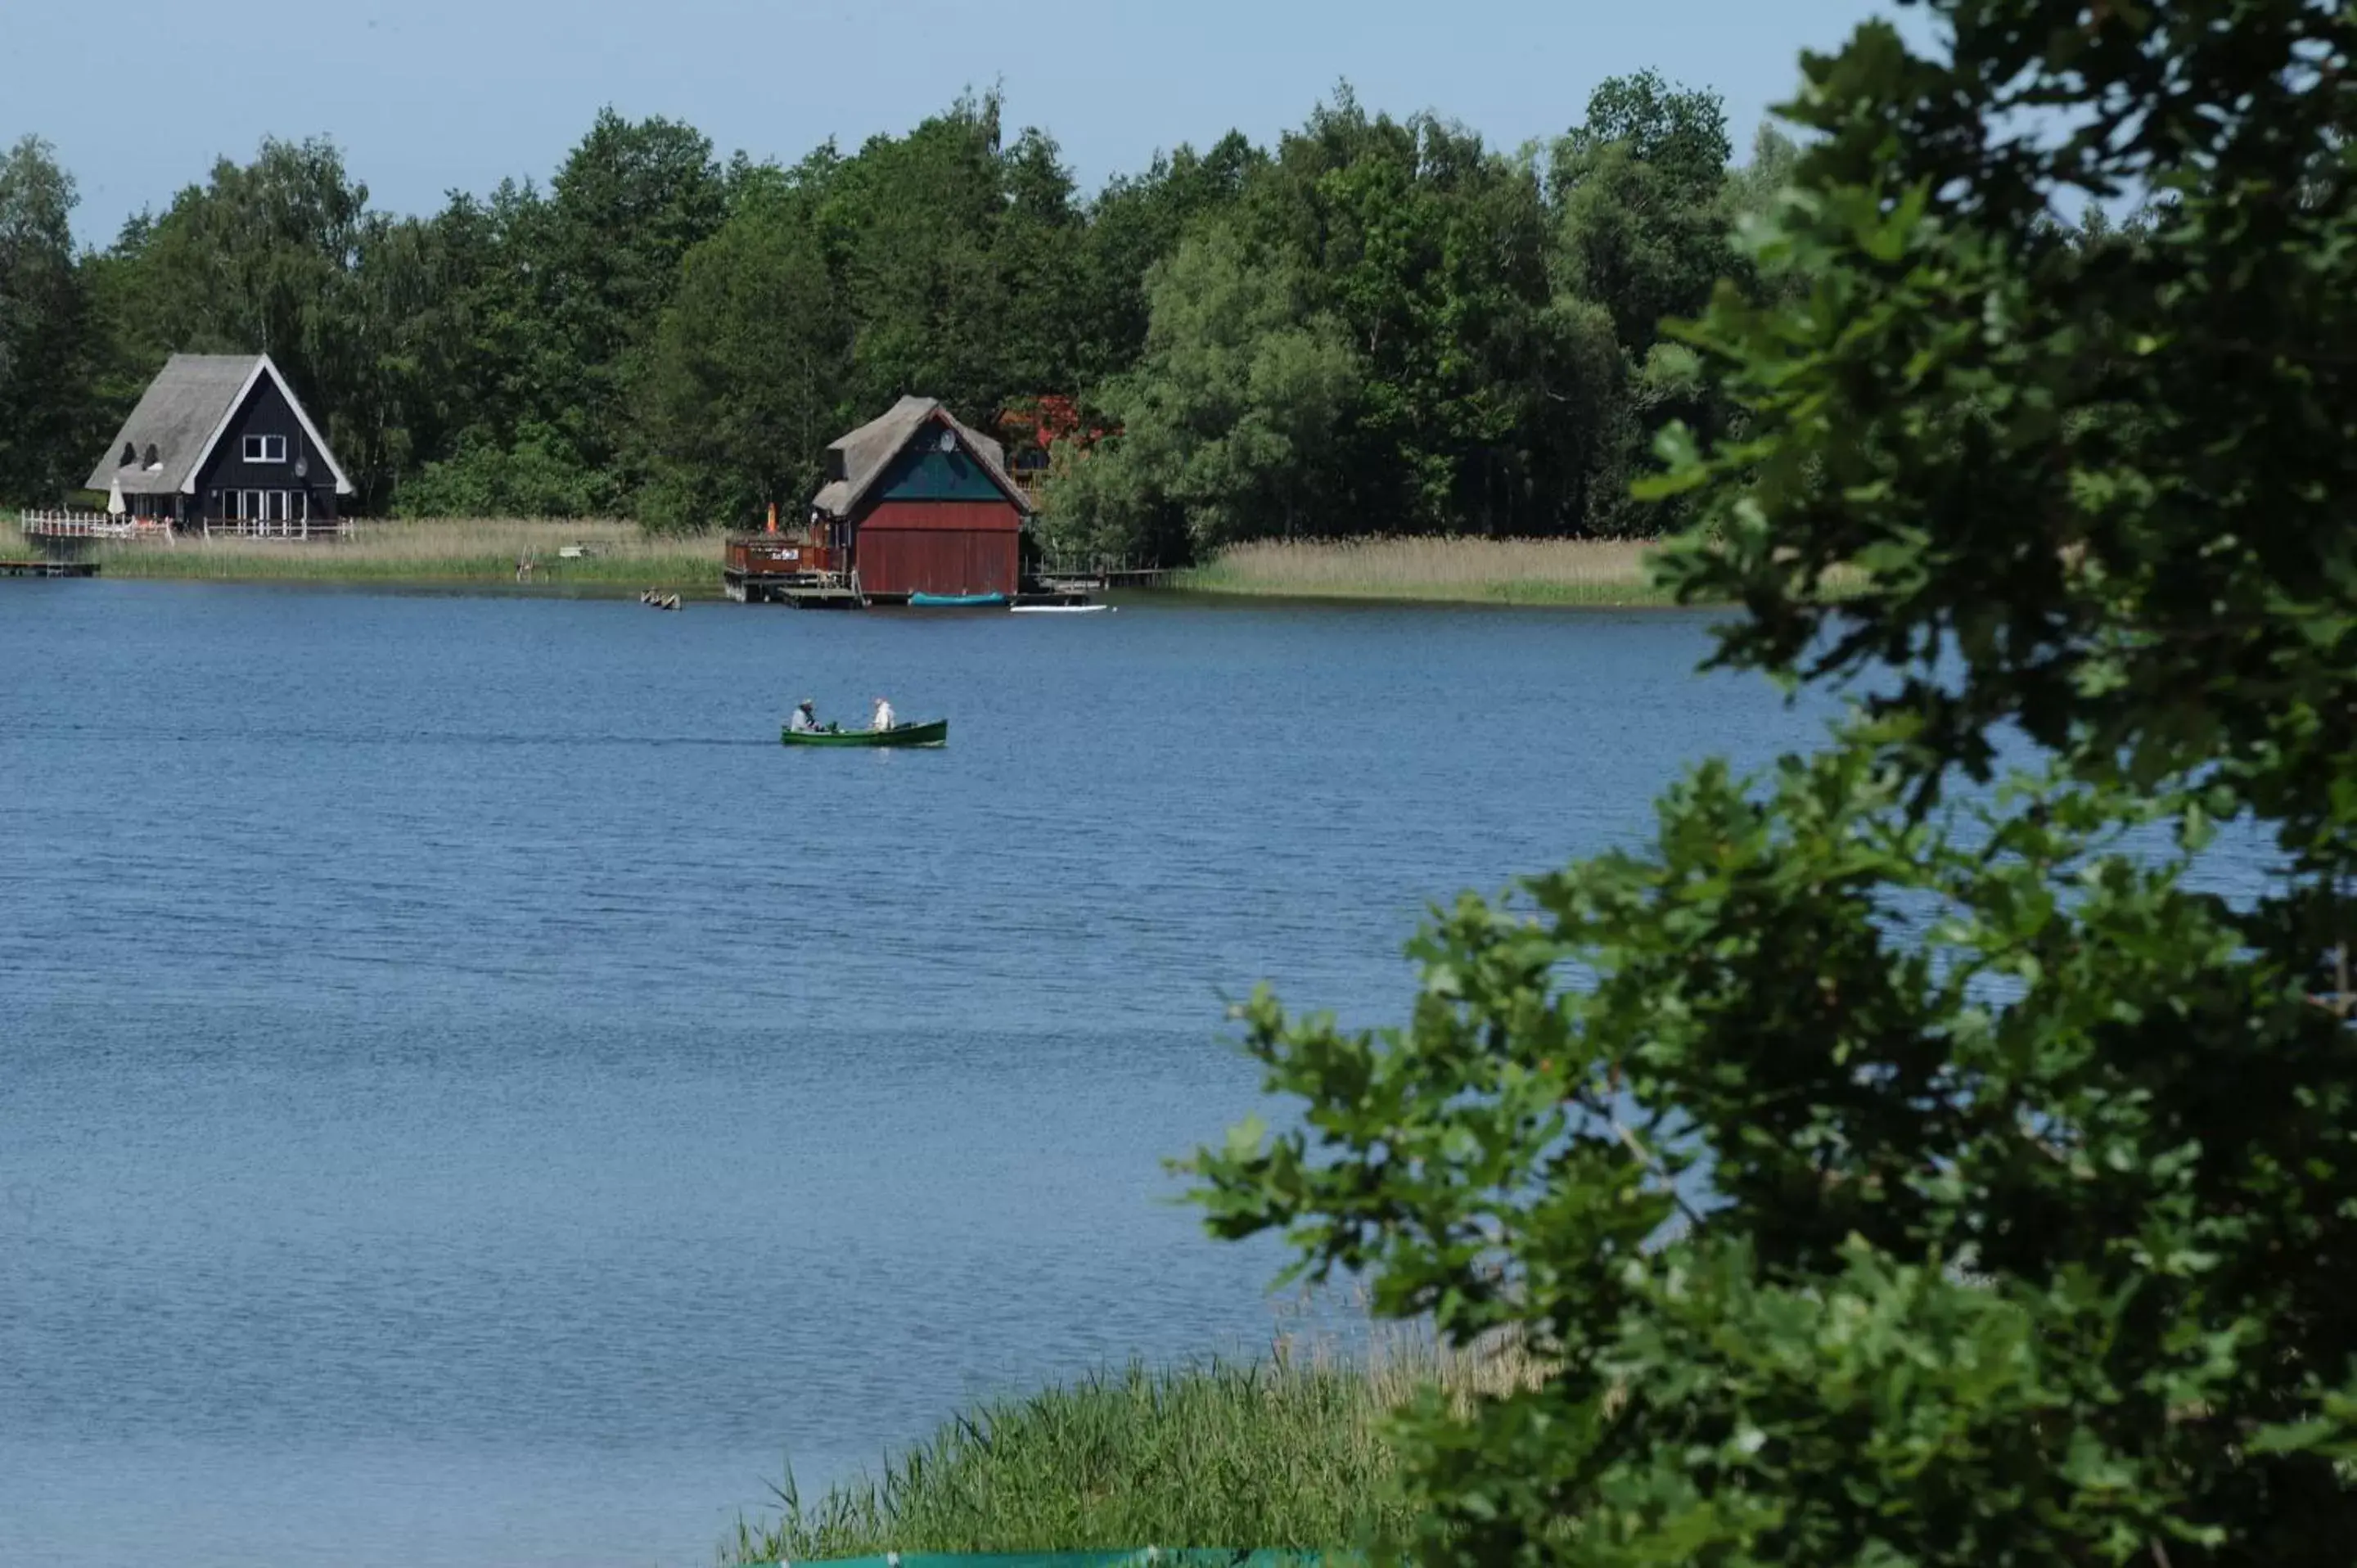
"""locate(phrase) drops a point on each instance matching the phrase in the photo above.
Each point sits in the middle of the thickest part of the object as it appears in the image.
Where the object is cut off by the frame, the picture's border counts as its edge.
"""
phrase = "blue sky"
(426, 96)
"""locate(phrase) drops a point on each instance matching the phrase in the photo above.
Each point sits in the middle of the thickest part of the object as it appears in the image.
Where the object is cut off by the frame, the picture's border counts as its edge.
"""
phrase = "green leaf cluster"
(45, 334)
(1899, 1160)
(1416, 333)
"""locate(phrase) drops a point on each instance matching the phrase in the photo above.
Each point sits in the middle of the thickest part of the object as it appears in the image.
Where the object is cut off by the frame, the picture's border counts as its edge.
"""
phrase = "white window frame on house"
(265, 449)
(271, 513)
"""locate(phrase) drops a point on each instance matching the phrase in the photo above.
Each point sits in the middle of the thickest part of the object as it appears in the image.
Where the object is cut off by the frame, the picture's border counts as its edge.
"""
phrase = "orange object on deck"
(773, 517)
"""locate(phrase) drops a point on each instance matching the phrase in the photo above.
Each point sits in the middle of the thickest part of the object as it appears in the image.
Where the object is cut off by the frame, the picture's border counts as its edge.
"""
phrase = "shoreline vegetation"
(1287, 1453)
(1436, 569)
(623, 557)
(472, 552)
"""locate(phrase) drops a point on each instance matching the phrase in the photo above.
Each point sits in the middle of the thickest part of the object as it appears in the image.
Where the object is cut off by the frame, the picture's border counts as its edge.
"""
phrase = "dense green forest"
(1378, 326)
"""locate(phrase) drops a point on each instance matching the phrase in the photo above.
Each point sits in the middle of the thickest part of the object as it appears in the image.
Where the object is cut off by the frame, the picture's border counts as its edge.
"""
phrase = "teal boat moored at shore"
(934, 733)
(958, 601)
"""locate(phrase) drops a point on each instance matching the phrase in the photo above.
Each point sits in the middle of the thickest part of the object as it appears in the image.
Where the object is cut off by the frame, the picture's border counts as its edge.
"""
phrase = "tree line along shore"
(1378, 326)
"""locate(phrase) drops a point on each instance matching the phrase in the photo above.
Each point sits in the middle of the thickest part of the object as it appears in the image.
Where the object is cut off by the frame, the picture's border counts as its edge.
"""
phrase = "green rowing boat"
(937, 733)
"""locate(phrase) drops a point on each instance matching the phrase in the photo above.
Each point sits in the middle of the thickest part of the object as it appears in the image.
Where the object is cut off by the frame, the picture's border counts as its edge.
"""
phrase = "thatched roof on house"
(182, 415)
(869, 450)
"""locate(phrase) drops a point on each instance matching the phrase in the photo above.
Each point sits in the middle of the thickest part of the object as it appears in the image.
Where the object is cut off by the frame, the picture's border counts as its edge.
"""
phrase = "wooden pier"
(808, 573)
(803, 594)
(755, 590)
(803, 590)
(1098, 579)
(48, 568)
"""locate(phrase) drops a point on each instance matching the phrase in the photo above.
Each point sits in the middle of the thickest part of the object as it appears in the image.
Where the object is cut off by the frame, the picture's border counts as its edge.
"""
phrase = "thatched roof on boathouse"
(855, 462)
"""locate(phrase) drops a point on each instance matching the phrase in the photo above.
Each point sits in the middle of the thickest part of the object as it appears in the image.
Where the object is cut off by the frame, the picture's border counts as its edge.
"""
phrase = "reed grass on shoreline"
(1448, 570)
(481, 551)
(1289, 1453)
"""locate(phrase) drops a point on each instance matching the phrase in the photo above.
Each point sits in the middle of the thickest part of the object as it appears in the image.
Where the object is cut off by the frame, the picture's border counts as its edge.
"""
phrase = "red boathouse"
(920, 503)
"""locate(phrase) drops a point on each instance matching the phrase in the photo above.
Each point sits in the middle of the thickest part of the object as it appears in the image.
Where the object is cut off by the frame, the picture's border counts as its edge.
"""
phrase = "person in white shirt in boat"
(803, 721)
(883, 719)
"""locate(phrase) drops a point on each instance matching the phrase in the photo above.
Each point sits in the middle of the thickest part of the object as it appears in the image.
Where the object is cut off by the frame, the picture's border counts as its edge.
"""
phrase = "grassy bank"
(1459, 570)
(1285, 1453)
(464, 552)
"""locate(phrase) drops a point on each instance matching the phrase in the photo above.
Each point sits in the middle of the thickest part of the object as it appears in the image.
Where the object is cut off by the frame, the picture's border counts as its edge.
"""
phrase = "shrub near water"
(2033, 1157)
(1289, 1453)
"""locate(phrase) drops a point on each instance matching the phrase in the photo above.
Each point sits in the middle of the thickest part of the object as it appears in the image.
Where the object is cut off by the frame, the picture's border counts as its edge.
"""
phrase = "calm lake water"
(468, 1096)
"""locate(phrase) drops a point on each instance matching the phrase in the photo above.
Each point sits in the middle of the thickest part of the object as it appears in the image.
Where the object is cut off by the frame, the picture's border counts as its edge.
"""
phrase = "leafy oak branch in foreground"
(2022, 1180)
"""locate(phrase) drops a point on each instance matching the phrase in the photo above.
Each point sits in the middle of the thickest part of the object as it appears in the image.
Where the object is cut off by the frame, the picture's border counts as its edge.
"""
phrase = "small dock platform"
(801, 591)
(48, 568)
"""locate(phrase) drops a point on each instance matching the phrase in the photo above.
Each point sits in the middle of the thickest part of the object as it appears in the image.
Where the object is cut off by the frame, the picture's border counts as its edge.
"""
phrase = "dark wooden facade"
(938, 525)
(959, 549)
(232, 486)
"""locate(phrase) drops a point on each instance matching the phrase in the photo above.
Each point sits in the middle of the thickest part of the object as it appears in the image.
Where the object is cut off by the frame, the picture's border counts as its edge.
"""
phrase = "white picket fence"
(39, 525)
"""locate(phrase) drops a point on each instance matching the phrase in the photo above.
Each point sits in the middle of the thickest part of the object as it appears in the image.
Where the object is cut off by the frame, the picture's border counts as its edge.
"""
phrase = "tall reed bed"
(1471, 570)
(1288, 1451)
(481, 550)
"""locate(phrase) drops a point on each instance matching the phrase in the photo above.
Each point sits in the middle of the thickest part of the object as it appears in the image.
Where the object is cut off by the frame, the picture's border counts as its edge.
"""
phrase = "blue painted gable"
(924, 474)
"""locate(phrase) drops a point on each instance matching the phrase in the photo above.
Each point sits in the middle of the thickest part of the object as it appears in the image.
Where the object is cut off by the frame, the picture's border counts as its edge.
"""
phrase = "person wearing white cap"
(883, 719)
(803, 721)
